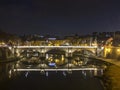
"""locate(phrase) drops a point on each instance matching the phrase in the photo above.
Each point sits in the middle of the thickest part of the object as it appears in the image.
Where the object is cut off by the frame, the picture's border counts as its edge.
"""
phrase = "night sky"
(61, 17)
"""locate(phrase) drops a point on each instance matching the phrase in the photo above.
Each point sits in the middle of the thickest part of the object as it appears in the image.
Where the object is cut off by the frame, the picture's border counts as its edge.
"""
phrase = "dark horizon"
(63, 17)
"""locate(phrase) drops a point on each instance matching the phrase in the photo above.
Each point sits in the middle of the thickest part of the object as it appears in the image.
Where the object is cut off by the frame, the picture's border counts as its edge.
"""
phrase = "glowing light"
(10, 48)
(70, 51)
(118, 50)
(52, 64)
(10, 74)
(47, 56)
(47, 74)
(57, 60)
(108, 49)
(26, 74)
(62, 58)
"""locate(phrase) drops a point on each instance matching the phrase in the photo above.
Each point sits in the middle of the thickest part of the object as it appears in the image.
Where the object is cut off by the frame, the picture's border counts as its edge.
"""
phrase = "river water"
(77, 80)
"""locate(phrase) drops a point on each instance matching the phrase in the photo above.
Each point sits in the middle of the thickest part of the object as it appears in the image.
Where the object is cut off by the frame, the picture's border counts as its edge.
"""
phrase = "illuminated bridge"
(22, 47)
(44, 49)
(44, 63)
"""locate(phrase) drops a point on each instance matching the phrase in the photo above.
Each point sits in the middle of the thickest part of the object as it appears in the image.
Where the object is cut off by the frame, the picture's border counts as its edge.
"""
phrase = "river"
(27, 80)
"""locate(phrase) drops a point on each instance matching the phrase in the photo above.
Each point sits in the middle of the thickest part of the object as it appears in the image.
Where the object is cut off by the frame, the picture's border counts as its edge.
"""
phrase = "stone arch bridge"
(69, 50)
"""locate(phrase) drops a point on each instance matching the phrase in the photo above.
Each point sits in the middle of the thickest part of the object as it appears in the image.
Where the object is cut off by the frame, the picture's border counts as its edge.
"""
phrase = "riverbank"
(111, 61)
(111, 78)
(9, 60)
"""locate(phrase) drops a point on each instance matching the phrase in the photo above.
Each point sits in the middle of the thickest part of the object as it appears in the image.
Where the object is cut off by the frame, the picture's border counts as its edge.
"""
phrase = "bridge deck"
(55, 46)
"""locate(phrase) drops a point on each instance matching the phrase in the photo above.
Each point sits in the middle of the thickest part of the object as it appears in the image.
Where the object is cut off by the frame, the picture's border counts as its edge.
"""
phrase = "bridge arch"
(56, 51)
(84, 51)
(89, 52)
(55, 57)
(68, 49)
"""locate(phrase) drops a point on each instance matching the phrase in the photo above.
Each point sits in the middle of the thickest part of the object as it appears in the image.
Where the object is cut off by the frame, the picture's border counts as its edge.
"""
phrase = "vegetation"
(7, 37)
(111, 78)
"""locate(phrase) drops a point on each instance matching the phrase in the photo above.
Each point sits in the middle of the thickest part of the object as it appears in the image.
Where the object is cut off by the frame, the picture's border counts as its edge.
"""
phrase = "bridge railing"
(55, 46)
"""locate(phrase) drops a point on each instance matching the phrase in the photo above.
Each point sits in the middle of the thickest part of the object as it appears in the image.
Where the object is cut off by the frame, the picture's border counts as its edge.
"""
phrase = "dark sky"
(60, 17)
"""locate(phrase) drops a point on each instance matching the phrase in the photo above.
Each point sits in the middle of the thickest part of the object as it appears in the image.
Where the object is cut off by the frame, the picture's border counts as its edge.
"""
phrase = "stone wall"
(112, 52)
(5, 53)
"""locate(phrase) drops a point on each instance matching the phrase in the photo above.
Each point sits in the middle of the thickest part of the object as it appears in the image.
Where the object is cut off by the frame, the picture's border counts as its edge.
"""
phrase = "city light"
(118, 50)
(107, 49)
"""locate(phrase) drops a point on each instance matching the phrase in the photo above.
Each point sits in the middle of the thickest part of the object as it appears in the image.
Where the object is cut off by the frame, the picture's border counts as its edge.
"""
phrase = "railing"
(55, 46)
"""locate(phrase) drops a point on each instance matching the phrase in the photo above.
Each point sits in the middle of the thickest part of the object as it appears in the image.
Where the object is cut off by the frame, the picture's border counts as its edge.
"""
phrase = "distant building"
(51, 38)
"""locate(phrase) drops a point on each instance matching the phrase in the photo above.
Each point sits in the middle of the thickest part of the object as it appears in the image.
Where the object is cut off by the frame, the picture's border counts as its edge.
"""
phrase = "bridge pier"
(69, 55)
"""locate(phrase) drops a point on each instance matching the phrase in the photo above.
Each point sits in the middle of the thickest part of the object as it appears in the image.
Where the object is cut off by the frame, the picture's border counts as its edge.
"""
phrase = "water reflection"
(33, 70)
(9, 70)
(6, 71)
(23, 80)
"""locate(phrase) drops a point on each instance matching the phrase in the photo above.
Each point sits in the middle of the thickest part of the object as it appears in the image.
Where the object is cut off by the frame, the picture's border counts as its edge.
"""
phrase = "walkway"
(55, 46)
(112, 61)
